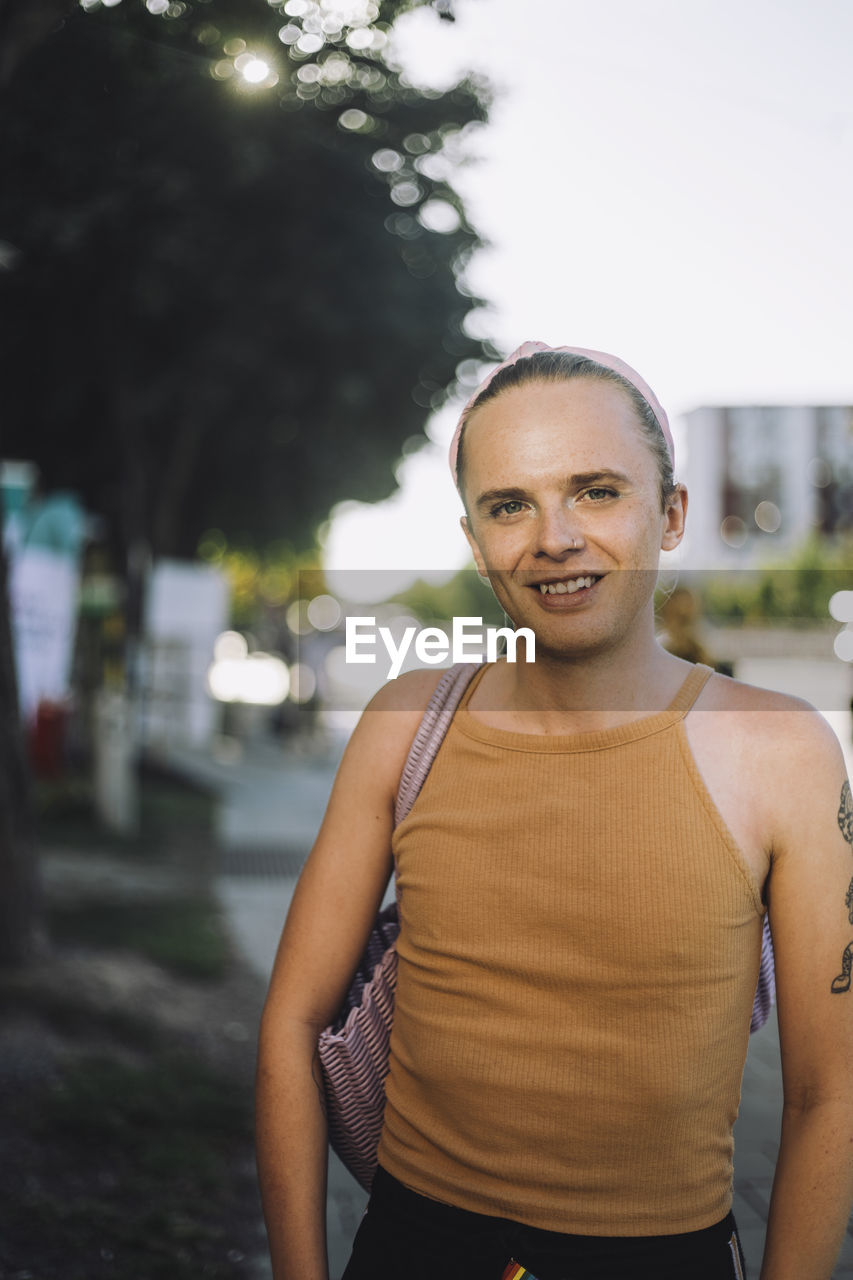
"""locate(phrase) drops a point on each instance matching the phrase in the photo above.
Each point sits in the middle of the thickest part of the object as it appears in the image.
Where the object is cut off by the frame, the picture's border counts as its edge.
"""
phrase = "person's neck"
(558, 694)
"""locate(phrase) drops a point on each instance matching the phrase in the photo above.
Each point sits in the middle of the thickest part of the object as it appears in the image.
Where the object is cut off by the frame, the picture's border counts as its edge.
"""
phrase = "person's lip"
(552, 599)
(560, 585)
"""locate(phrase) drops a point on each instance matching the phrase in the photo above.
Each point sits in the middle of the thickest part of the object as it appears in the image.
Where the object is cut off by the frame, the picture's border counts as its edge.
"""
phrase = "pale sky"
(669, 180)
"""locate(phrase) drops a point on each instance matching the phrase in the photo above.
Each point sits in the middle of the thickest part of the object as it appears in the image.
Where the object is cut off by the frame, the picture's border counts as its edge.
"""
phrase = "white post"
(116, 784)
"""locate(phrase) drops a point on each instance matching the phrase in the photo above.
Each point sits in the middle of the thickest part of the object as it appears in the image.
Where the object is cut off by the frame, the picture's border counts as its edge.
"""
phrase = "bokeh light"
(387, 160)
(324, 612)
(297, 618)
(733, 531)
(230, 646)
(403, 225)
(768, 517)
(260, 680)
(275, 584)
(843, 645)
(212, 544)
(819, 472)
(303, 683)
(360, 38)
(309, 42)
(406, 193)
(841, 606)
(255, 71)
(353, 119)
(417, 144)
(440, 216)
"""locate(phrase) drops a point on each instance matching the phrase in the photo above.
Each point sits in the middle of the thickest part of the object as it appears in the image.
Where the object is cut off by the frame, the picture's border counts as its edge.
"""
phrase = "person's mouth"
(567, 586)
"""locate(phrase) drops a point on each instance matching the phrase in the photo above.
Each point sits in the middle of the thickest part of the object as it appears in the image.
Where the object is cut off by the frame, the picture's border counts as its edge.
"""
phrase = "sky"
(669, 180)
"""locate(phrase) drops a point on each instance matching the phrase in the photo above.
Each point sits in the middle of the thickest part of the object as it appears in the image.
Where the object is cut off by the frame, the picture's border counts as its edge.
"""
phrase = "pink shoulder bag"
(354, 1049)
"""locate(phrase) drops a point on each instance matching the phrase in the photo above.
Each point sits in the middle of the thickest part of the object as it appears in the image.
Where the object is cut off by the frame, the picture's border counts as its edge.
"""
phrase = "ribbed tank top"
(578, 955)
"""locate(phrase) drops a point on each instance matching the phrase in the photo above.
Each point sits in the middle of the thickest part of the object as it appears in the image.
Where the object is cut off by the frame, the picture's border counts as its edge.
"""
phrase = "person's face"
(561, 487)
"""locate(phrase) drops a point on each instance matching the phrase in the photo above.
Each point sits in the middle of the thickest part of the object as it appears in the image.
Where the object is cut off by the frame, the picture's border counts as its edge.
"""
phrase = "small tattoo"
(848, 901)
(842, 982)
(845, 813)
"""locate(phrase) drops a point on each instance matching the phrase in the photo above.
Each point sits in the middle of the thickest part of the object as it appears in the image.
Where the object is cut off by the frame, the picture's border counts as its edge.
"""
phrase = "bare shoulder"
(410, 692)
(787, 734)
(381, 740)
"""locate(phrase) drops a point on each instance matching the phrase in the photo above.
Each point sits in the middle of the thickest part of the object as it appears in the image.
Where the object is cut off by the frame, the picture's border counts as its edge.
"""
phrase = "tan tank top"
(578, 955)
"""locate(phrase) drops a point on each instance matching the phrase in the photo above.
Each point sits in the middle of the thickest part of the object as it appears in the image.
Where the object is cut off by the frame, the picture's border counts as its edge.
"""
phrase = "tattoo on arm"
(845, 813)
(842, 982)
(845, 824)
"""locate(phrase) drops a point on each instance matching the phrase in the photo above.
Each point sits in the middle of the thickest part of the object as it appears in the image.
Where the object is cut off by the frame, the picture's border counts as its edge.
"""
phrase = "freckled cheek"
(503, 548)
(622, 528)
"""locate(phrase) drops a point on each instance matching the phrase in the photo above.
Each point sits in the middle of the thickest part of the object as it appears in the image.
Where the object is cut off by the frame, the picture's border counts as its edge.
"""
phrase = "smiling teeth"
(565, 588)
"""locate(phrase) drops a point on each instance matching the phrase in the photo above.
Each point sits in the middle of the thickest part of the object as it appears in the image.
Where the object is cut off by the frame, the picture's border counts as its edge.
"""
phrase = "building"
(762, 478)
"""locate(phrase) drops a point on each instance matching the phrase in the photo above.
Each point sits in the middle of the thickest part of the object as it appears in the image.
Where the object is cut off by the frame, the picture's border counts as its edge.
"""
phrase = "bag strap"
(440, 710)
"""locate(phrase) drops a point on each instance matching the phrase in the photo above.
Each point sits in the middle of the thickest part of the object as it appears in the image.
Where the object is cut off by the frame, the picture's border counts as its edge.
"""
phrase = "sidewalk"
(272, 801)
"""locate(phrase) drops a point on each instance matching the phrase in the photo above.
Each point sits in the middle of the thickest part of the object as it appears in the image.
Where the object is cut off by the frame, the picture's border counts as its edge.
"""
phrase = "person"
(679, 613)
(583, 881)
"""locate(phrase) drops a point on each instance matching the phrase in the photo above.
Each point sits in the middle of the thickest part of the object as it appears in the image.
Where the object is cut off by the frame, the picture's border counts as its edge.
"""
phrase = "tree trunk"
(24, 24)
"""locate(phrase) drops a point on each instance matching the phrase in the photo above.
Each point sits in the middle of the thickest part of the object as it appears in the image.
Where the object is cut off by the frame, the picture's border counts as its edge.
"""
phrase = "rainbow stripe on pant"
(515, 1271)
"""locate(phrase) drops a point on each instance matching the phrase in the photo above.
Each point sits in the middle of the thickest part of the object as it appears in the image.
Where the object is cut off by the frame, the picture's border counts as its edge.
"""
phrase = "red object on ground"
(47, 739)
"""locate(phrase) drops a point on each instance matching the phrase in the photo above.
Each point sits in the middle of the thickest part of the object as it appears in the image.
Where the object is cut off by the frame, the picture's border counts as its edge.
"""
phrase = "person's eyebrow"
(596, 477)
(492, 496)
(578, 481)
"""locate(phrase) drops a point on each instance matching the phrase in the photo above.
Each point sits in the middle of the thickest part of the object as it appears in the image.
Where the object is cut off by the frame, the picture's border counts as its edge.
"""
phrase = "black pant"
(406, 1236)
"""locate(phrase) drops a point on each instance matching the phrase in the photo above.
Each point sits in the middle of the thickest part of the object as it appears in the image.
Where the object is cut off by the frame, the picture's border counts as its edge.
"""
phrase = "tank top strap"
(691, 688)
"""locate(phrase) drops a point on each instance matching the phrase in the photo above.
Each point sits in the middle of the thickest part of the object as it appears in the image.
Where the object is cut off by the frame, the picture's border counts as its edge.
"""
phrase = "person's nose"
(559, 530)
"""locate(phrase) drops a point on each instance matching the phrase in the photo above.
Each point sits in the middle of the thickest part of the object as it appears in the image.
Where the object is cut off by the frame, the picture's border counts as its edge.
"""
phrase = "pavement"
(272, 801)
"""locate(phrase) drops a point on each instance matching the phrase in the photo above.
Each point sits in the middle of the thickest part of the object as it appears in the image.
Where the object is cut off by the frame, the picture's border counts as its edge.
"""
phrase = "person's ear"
(674, 519)
(472, 543)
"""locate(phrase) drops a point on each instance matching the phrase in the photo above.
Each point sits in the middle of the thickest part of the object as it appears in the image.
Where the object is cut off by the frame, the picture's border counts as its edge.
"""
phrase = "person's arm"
(330, 918)
(810, 895)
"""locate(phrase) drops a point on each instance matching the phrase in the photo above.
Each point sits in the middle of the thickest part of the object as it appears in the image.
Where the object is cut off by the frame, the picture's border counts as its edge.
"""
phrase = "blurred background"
(254, 257)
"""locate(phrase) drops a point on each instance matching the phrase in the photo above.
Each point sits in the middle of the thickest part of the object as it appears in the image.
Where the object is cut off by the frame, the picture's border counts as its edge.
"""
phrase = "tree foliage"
(798, 590)
(228, 300)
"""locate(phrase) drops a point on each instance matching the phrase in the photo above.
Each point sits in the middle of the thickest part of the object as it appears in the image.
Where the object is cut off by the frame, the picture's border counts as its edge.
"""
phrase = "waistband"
(389, 1194)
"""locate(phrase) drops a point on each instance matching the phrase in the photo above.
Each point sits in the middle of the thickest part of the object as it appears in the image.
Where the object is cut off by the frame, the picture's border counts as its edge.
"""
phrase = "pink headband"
(601, 357)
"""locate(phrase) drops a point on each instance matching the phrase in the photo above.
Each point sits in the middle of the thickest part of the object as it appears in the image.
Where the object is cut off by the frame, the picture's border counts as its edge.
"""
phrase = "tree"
(19, 898)
(222, 305)
(234, 296)
(23, 23)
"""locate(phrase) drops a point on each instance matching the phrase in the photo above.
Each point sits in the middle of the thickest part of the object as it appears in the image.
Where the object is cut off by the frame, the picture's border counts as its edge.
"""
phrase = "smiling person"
(583, 881)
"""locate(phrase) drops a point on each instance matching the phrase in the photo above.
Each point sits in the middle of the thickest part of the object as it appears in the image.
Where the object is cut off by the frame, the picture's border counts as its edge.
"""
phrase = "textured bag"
(354, 1049)
(765, 992)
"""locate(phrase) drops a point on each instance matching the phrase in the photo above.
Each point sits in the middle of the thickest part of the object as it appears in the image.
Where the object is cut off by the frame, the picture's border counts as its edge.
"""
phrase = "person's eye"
(600, 493)
(511, 507)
